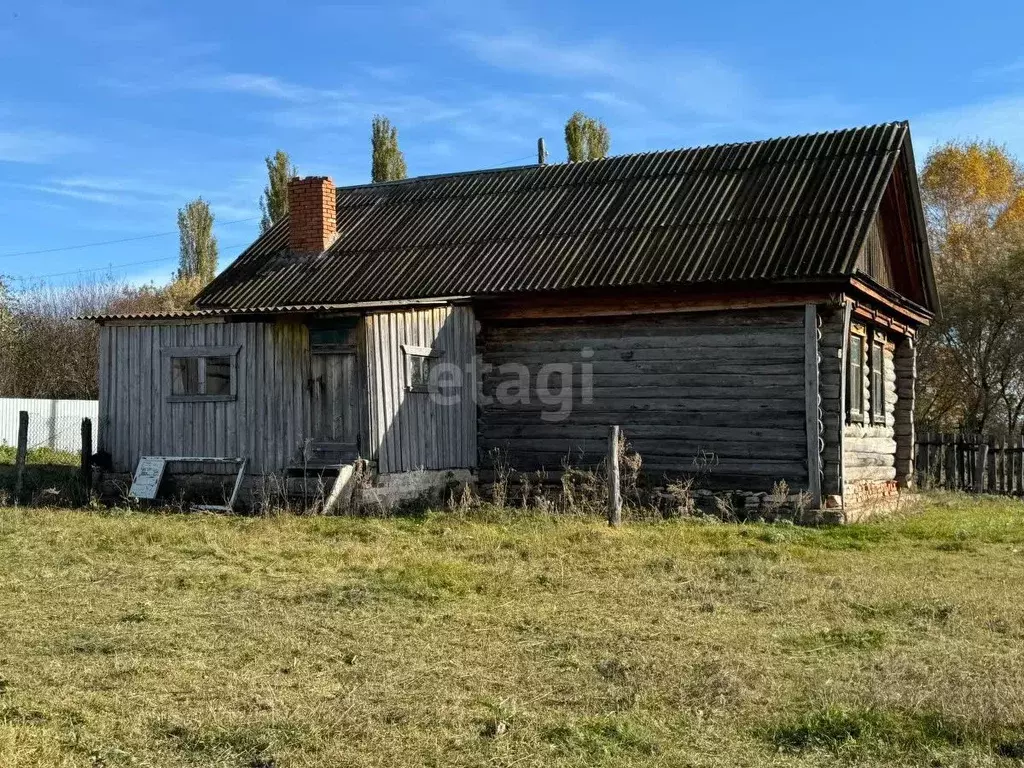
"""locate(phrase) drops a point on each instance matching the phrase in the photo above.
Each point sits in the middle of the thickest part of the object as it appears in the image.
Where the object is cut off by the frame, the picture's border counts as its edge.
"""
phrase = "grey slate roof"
(789, 208)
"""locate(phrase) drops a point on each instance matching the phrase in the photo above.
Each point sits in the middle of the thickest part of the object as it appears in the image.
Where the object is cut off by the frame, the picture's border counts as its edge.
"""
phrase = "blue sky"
(114, 114)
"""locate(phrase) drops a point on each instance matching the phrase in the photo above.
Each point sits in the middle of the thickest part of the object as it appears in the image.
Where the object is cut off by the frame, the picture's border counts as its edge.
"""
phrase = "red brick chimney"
(312, 221)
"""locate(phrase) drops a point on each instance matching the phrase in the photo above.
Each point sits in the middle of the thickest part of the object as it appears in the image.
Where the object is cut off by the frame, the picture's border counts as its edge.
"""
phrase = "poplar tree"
(274, 201)
(388, 160)
(586, 138)
(197, 258)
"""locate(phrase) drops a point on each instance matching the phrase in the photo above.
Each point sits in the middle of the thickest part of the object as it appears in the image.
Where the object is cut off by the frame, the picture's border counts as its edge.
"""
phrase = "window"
(419, 365)
(855, 387)
(334, 335)
(877, 381)
(202, 373)
(865, 389)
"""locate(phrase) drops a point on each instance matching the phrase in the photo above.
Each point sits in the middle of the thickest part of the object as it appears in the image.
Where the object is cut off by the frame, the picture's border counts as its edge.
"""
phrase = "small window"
(202, 373)
(333, 336)
(877, 381)
(855, 385)
(419, 366)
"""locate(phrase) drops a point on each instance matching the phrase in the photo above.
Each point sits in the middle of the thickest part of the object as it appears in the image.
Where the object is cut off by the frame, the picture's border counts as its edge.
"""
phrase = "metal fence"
(55, 424)
(966, 462)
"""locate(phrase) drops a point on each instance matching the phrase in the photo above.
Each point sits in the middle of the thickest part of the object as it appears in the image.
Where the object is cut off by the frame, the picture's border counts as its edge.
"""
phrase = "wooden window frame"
(877, 375)
(411, 351)
(201, 353)
(856, 416)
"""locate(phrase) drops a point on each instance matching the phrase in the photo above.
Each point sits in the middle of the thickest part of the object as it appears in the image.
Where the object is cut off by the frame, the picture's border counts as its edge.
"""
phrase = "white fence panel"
(55, 424)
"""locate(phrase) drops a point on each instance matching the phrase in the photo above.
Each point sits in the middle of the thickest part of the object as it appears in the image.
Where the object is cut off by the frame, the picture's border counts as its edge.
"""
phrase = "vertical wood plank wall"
(681, 387)
(267, 423)
(410, 430)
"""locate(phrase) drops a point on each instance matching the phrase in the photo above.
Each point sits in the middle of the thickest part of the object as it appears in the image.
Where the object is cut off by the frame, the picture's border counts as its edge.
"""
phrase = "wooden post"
(87, 455)
(991, 484)
(614, 497)
(19, 461)
(981, 461)
(1020, 465)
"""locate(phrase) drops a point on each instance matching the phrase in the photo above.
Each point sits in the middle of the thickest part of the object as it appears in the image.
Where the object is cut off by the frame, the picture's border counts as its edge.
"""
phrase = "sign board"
(147, 477)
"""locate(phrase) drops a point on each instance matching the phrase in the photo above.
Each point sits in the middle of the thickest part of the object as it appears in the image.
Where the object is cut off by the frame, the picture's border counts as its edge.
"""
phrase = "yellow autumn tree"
(971, 360)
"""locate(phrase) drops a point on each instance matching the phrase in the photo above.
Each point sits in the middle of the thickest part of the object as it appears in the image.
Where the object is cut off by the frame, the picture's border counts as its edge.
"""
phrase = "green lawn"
(135, 639)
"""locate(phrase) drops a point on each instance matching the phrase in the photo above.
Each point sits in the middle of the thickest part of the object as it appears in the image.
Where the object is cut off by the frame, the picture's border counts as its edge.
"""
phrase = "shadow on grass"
(854, 731)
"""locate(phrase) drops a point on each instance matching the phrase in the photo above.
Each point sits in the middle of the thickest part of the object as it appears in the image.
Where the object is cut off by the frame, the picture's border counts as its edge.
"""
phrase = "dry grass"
(213, 641)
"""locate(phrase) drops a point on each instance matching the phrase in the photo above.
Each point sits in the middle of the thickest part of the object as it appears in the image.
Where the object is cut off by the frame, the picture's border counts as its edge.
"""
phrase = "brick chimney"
(312, 221)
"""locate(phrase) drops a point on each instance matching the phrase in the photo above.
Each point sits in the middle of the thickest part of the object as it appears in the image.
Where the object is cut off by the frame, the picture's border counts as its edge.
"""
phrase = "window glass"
(856, 383)
(185, 376)
(419, 372)
(878, 382)
(218, 376)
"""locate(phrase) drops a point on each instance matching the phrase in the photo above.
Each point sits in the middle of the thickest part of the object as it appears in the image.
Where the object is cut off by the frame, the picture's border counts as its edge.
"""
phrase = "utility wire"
(112, 242)
(516, 160)
(111, 267)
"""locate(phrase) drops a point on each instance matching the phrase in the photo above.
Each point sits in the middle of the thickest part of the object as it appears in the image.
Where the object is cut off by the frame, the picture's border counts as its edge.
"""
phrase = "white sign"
(147, 477)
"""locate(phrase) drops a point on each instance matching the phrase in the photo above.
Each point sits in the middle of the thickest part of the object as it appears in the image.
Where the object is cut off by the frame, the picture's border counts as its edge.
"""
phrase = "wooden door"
(335, 393)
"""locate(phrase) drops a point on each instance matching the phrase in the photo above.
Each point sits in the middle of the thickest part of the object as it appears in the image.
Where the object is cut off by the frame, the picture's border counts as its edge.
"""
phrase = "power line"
(516, 160)
(110, 267)
(112, 242)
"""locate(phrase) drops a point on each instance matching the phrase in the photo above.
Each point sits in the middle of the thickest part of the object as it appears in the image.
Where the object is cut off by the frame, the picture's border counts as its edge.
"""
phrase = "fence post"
(19, 460)
(991, 484)
(981, 461)
(1020, 465)
(87, 455)
(614, 497)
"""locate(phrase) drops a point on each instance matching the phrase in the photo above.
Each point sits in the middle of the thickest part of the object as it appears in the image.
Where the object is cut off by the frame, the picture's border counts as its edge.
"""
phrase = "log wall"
(726, 386)
(869, 450)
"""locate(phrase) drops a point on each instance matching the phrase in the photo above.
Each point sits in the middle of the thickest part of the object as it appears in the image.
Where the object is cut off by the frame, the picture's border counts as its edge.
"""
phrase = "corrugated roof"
(778, 209)
(185, 314)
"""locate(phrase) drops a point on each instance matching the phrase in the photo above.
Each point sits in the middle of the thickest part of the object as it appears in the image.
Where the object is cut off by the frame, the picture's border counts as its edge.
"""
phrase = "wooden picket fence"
(973, 463)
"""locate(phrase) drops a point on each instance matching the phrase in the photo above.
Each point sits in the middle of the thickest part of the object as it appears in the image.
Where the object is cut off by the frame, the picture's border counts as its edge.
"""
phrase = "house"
(751, 307)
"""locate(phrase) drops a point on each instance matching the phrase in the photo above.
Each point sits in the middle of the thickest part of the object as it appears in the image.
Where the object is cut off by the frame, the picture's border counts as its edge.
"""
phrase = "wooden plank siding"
(414, 430)
(730, 383)
(266, 422)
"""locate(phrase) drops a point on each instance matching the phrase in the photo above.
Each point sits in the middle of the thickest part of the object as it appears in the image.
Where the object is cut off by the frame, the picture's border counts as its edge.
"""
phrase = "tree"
(388, 160)
(586, 138)
(198, 254)
(971, 360)
(274, 200)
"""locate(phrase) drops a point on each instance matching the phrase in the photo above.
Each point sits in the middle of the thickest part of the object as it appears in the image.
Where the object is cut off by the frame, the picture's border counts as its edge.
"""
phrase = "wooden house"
(746, 309)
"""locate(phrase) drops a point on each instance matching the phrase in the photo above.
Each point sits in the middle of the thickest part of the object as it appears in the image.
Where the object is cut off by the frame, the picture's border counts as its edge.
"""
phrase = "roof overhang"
(238, 313)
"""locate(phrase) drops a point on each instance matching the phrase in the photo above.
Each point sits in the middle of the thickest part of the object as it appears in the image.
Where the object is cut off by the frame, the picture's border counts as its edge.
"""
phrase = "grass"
(43, 455)
(160, 640)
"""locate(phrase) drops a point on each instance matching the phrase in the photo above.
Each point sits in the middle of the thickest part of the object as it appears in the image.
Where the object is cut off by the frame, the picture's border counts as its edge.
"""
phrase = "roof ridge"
(628, 155)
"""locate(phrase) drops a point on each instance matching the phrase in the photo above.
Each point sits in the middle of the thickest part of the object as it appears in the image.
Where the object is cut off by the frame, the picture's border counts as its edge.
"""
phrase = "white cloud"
(37, 146)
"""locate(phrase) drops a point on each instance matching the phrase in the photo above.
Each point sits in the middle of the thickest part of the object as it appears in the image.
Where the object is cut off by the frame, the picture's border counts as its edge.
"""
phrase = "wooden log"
(21, 455)
(614, 497)
(812, 391)
(87, 456)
